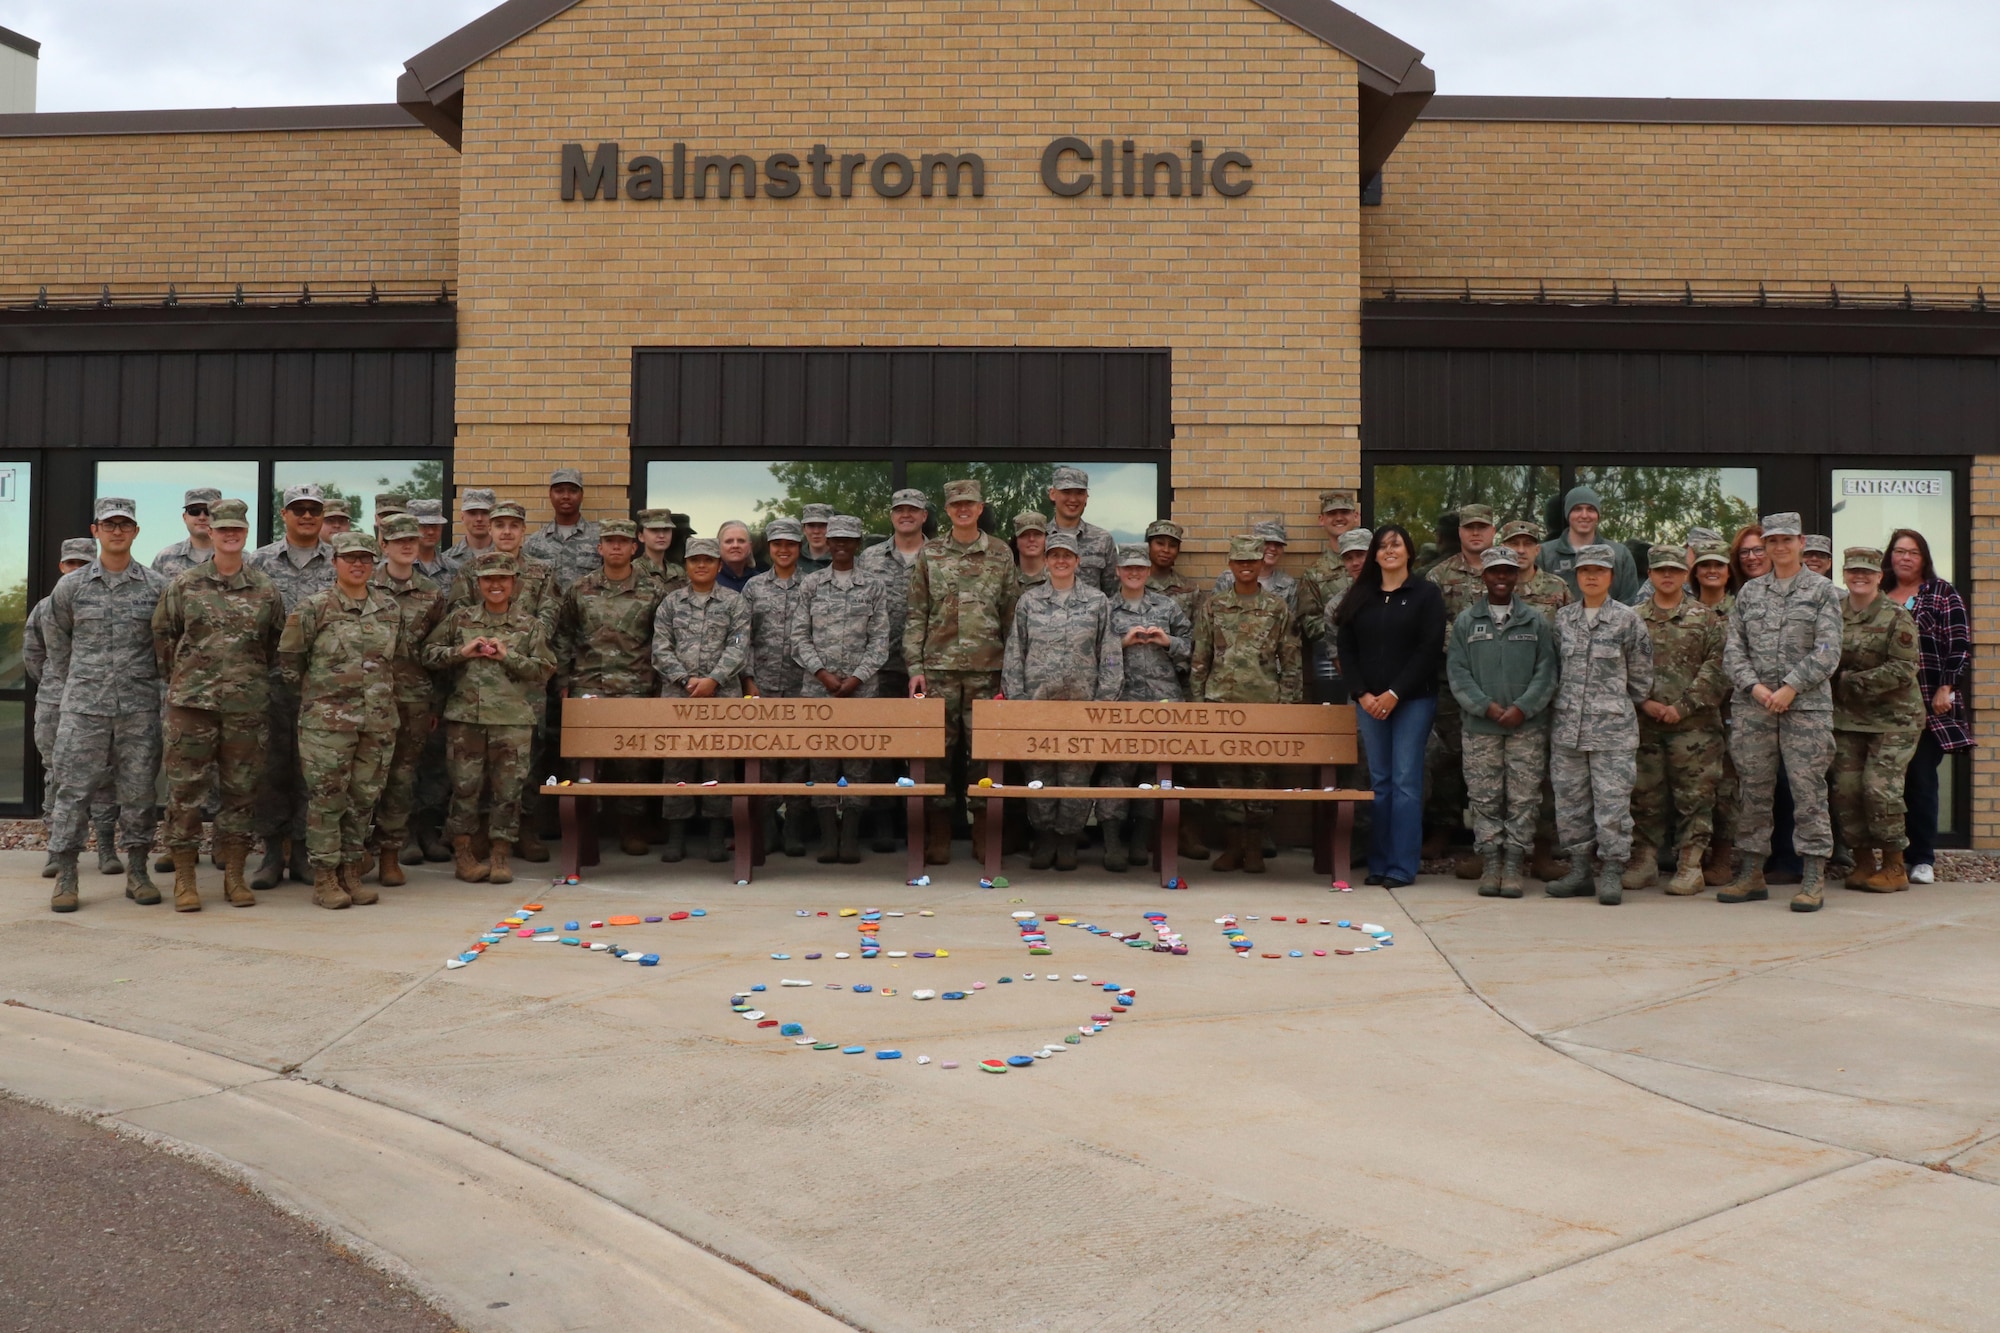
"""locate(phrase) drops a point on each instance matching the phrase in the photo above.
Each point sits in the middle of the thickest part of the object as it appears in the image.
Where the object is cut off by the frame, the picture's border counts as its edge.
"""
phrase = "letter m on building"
(953, 165)
(590, 177)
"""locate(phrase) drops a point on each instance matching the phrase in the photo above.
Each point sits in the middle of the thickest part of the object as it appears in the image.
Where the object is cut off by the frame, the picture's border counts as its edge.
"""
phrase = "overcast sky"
(121, 54)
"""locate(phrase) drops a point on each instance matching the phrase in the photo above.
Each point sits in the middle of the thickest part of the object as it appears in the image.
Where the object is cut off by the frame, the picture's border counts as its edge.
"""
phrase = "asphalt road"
(102, 1234)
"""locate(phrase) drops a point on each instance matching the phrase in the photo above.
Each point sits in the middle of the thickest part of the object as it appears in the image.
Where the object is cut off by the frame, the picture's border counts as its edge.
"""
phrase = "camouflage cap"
(1134, 555)
(1787, 524)
(336, 508)
(477, 497)
(427, 511)
(114, 506)
(1356, 539)
(703, 546)
(1029, 521)
(1815, 542)
(1595, 556)
(1500, 555)
(1861, 557)
(1520, 527)
(618, 527)
(1063, 540)
(1161, 527)
(784, 530)
(229, 514)
(1697, 536)
(303, 494)
(1706, 552)
(815, 513)
(1246, 548)
(911, 496)
(1070, 479)
(199, 495)
(656, 518)
(396, 527)
(491, 564)
(508, 509)
(1272, 530)
(1666, 557)
(843, 525)
(1475, 514)
(1333, 501)
(964, 489)
(391, 502)
(80, 548)
(566, 476)
(354, 543)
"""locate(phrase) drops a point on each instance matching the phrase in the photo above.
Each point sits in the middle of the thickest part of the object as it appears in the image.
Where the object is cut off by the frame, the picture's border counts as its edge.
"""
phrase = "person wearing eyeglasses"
(1944, 664)
(197, 546)
(301, 563)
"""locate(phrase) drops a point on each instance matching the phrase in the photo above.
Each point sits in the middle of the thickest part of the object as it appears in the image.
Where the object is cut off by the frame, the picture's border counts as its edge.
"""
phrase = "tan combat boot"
(498, 871)
(1865, 866)
(187, 896)
(1893, 877)
(1231, 855)
(1687, 880)
(1812, 884)
(1542, 862)
(327, 892)
(390, 865)
(467, 866)
(1253, 849)
(235, 851)
(357, 893)
(1750, 888)
(1642, 868)
(1719, 868)
(366, 864)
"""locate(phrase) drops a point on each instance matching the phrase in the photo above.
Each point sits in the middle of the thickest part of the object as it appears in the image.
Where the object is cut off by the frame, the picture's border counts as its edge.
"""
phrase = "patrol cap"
(491, 563)
(199, 495)
(656, 518)
(1247, 547)
(1854, 557)
(1029, 521)
(1475, 514)
(844, 525)
(785, 529)
(1070, 479)
(1334, 501)
(700, 546)
(966, 488)
(1520, 527)
(911, 496)
(228, 514)
(1597, 554)
(813, 513)
(618, 527)
(395, 527)
(114, 506)
(1707, 552)
(307, 493)
(1787, 524)
(1271, 530)
(336, 508)
(1356, 539)
(1134, 555)
(1666, 557)
(79, 548)
(1499, 555)
(1700, 536)
(566, 476)
(1815, 542)
(508, 509)
(1063, 540)
(427, 511)
(391, 502)
(354, 543)
(476, 497)
(1161, 527)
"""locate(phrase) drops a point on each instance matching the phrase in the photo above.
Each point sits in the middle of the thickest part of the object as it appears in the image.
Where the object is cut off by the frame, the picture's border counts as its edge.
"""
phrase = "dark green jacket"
(1488, 663)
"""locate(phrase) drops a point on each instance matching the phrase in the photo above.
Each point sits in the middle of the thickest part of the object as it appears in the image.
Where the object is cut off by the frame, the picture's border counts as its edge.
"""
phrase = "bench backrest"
(753, 728)
(1079, 732)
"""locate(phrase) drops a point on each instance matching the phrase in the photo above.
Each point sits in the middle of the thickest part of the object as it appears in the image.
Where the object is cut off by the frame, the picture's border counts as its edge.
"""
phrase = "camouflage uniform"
(1320, 587)
(1607, 669)
(1783, 636)
(1726, 786)
(1684, 756)
(700, 634)
(569, 555)
(885, 564)
(1246, 651)
(1274, 581)
(299, 573)
(217, 640)
(420, 603)
(48, 717)
(1096, 555)
(1458, 579)
(106, 685)
(772, 602)
(1878, 714)
(1548, 595)
(1061, 646)
(960, 605)
(537, 594)
(489, 714)
(1152, 674)
(340, 653)
(178, 558)
(1510, 662)
(666, 573)
(840, 623)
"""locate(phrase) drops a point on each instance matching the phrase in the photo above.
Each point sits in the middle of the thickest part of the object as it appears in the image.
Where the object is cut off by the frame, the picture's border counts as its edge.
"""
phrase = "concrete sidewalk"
(1524, 1114)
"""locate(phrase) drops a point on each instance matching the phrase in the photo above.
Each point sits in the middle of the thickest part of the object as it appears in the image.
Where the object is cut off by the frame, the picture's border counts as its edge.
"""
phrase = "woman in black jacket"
(1391, 642)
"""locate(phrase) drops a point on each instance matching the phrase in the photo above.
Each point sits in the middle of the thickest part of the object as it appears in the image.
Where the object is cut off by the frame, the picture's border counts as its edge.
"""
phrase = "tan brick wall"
(212, 210)
(1865, 206)
(1256, 295)
(1985, 610)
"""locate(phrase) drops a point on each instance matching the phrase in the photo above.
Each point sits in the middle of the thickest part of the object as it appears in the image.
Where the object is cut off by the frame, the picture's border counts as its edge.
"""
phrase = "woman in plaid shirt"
(1945, 647)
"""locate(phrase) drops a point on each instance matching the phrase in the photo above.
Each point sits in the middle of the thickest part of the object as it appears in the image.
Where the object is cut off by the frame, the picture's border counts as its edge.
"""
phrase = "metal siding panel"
(250, 400)
(444, 400)
(1556, 400)
(409, 400)
(1127, 417)
(26, 377)
(1681, 402)
(1513, 395)
(1767, 401)
(1084, 405)
(1893, 404)
(868, 388)
(332, 399)
(1040, 388)
(374, 411)
(1725, 403)
(656, 416)
(1382, 400)
(701, 399)
(100, 402)
(177, 403)
(215, 400)
(741, 413)
(1600, 393)
(955, 400)
(1426, 402)
(999, 379)
(62, 414)
(1808, 402)
(826, 400)
(1639, 421)
(1935, 409)
(784, 400)
(1850, 404)
(139, 400)
(292, 399)
(1162, 374)
(911, 394)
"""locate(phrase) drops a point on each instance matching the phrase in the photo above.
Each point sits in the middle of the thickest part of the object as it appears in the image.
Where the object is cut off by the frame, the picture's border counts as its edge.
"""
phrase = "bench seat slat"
(583, 789)
(1165, 794)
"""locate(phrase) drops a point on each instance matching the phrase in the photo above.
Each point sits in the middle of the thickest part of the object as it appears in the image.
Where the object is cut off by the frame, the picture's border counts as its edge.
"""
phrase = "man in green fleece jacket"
(1558, 557)
(1501, 664)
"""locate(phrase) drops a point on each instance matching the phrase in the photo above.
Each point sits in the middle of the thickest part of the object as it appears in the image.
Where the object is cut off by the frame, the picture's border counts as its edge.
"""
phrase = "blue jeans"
(1395, 748)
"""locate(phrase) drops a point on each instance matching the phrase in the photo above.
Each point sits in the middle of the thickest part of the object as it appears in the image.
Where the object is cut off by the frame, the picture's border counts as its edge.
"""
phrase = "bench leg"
(572, 838)
(996, 823)
(744, 815)
(1169, 825)
(1343, 842)
(914, 820)
(1322, 826)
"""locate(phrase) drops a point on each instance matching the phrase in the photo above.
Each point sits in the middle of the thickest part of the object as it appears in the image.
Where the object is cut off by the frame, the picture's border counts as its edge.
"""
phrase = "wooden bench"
(750, 730)
(1319, 736)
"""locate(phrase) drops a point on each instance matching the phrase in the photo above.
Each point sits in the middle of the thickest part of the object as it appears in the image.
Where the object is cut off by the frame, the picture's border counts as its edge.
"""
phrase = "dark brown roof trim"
(1710, 111)
(224, 328)
(27, 46)
(434, 88)
(221, 120)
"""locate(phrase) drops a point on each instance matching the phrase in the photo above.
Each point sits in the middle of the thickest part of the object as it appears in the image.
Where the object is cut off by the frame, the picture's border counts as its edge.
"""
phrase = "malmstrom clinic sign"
(1070, 166)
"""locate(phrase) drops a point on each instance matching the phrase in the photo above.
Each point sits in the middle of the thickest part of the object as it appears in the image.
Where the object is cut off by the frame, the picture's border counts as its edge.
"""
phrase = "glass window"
(13, 751)
(711, 492)
(1660, 504)
(157, 489)
(1871, 503)
(14, 600)
(1419, 496)
(358, 480)
(1124, 497)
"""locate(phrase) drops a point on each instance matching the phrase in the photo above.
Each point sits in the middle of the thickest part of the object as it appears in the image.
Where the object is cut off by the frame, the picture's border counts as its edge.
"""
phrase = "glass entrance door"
(1870, 503)
(16, 598)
